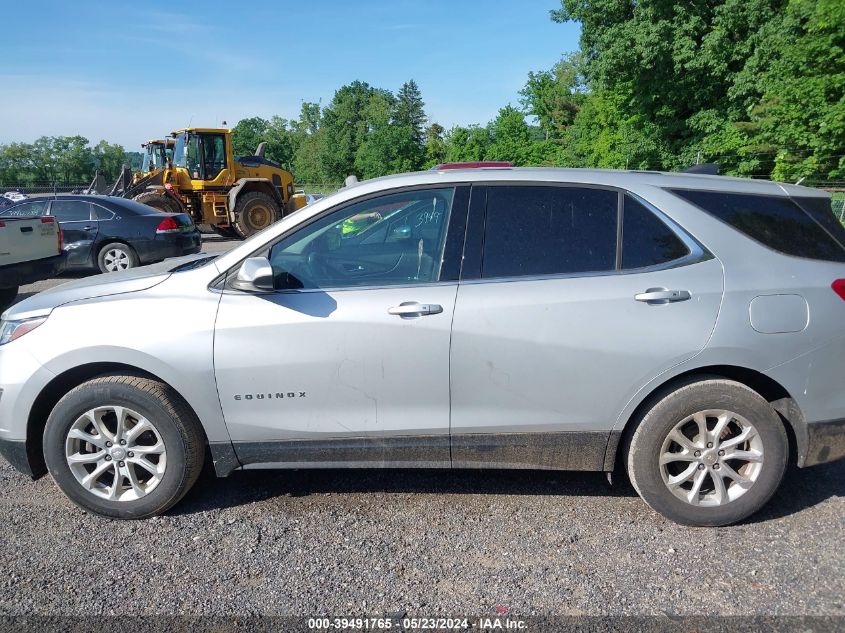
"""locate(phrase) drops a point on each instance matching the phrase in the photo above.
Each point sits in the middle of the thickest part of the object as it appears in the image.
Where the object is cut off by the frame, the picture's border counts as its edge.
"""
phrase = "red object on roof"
(475, 165)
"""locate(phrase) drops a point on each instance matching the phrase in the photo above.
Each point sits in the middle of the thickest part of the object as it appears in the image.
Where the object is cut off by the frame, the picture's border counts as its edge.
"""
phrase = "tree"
(344, 127)
(247, 134)
(677, 68)
(511, 137)
(555, 96)
(109, 159)
(410, 110)
(435, 145)
(467, 144)
(802, 111)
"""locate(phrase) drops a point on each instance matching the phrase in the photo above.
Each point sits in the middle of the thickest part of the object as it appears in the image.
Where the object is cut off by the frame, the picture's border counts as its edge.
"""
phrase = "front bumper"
(825, 442)
(15, 452)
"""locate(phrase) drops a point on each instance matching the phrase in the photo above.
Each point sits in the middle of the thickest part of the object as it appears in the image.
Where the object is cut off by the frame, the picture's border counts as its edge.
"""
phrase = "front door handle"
(414, 309)
(660, 296)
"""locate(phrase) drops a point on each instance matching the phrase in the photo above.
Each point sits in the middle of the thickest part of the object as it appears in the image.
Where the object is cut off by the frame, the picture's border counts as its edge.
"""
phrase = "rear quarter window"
(776, 222)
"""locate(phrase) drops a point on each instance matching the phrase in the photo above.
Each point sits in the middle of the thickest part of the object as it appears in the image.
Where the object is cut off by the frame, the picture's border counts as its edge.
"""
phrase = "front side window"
(774, 221)
(213, 155)
(26, 210)
(646, 240)
(388, 240)
(543, 230)
(70, 210)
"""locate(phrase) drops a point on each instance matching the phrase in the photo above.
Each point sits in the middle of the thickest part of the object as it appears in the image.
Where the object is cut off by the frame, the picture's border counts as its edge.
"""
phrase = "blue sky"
(127, 72)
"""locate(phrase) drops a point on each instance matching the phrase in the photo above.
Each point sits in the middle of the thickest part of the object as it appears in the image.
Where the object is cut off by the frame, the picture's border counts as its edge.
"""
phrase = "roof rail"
(711, 169)
(472, 165)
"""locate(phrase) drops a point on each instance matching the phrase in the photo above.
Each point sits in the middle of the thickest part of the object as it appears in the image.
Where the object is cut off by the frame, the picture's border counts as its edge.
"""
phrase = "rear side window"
(822, 212)
(102, 214)
(549, 230)
(646, 240)
(776, 222)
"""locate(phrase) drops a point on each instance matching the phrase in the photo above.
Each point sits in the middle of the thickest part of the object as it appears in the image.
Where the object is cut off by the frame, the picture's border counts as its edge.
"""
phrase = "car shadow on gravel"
(804, 488)
(801, 489)
(242, 488)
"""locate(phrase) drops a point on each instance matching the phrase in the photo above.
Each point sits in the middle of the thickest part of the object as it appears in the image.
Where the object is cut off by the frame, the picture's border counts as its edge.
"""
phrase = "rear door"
(569, 303)
(79, 227)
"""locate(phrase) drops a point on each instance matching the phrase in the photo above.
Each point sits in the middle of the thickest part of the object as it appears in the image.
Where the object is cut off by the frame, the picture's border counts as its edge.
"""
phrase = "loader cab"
(203, 154)
(156, 155)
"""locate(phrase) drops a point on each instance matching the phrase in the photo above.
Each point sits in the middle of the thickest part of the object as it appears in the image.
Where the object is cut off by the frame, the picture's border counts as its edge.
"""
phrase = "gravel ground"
(425, 542)
(421, 542)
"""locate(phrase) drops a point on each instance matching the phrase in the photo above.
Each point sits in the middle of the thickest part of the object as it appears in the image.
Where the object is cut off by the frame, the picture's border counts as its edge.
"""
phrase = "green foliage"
(756, 85)
(67, 160)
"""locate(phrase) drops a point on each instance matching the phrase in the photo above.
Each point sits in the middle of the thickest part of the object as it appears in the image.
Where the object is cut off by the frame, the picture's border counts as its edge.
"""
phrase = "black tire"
(205, 229)
(175, 422)
(159, 202)
(646, 445)
(7, 297)
(254, 212)
(122, 254)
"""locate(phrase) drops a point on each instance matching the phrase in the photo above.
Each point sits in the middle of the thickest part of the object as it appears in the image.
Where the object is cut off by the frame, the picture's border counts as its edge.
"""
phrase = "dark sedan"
(113, 233)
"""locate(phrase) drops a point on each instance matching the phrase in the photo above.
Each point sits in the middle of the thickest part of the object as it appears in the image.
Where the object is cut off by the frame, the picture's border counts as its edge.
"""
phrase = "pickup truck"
(30, 250)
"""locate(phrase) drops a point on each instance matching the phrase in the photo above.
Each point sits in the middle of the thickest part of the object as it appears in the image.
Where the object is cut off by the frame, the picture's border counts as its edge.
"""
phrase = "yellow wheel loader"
(231, 196)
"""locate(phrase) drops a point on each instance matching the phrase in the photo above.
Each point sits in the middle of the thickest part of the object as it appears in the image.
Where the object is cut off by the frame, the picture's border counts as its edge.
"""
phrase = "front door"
(347, 362)
(557, 325)
(79, 230)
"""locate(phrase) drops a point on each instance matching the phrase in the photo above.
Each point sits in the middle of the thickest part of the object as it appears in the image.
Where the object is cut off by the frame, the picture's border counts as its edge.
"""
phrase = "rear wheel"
(123, 446)
(7, 296)
(711, 453)
(159, 202)
(115, 257)
(254, 212)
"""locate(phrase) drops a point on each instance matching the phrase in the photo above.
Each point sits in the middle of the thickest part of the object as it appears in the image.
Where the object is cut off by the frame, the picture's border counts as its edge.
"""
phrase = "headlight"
(11, 330)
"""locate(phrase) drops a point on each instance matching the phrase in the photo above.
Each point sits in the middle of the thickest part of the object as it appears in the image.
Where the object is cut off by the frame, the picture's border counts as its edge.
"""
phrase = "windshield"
(179, 150)
(145, 166)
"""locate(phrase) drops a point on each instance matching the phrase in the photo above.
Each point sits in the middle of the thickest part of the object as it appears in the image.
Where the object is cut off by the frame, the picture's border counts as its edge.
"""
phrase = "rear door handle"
(660, 296)
(414, 309)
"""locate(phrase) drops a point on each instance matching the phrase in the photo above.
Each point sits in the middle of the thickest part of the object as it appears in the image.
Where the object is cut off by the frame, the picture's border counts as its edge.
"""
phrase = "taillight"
(2, 225)
(60, 237)
(839, 288)
(167, 225)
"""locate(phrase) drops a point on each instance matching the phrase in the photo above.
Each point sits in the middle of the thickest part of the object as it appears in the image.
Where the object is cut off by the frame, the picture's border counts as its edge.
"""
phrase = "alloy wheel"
(116, 259)
(115, 453)
(711, 458)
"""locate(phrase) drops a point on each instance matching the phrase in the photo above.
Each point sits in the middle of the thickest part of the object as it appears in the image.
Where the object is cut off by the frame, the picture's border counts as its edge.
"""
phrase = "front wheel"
(124, 447)
(711, 453)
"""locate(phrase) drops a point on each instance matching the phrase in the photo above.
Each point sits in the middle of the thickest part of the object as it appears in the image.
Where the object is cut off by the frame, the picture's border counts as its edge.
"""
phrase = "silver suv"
(689, 329)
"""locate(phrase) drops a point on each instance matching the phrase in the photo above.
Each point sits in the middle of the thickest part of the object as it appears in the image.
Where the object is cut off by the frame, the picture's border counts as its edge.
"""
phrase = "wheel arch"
(775, 394)
(50, 395)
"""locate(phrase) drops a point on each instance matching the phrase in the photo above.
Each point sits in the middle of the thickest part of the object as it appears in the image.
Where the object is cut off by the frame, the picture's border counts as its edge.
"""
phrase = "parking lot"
(422, 543)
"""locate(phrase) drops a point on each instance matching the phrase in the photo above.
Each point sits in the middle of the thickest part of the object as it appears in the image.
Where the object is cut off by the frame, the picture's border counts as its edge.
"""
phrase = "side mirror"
(255, 275)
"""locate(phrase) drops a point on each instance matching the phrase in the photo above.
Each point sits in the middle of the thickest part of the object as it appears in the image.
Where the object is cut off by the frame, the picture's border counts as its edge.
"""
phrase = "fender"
(241, 183)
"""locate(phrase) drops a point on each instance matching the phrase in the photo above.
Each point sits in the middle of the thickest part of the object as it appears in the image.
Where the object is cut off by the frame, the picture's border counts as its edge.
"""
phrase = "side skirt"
(576, 450)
